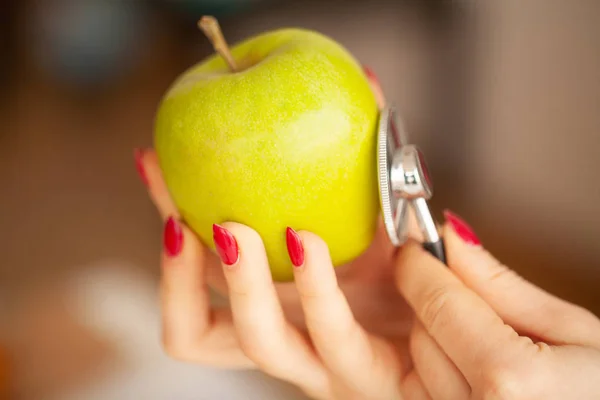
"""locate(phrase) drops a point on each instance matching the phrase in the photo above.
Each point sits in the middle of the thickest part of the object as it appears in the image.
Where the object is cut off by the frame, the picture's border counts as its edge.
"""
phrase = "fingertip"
(410, 251)
(180, 244)
(406, 255)
(226, 245)
(245, 243)
(314, 246)
(317, 258)
(372, 77)
(242, 254)
(316, 277)
(150, 155)
(148, 165)
(375, 86)
(370, 73)
(172, 237)
(138, 157)
(453, 238)
(149, 161)
(462, 254)
(461, 229)
(244, 235)
(295, 247)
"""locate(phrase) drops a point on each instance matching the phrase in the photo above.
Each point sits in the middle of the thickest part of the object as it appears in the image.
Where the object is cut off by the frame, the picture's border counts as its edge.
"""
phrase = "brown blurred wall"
(535, 140)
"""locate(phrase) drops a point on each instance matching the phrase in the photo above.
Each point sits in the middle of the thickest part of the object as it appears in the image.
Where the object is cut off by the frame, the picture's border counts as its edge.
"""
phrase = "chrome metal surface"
(407, 175)
(425, 220)
(393, 208)
(404, 181)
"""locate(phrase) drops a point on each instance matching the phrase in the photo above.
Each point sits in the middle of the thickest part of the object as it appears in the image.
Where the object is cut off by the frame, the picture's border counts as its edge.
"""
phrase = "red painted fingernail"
(295, 247)
(461, 228)
(173, 237)
(226, 244)
(138, 155)
(369, 72)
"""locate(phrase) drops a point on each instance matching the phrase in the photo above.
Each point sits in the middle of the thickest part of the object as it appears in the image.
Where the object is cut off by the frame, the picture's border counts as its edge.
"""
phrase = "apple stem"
(210, 26)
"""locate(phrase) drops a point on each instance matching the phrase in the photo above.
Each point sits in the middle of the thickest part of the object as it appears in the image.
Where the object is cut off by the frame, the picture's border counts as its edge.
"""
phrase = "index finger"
(464, 325)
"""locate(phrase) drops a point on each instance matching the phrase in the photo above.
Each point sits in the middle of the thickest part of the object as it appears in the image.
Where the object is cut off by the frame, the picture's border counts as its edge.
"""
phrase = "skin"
(269, 155)
(470, 330)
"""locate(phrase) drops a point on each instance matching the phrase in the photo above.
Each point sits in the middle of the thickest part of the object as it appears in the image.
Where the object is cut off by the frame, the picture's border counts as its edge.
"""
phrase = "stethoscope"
(404, 183)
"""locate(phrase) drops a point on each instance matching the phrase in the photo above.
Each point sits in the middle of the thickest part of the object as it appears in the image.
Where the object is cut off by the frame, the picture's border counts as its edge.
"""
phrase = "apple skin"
(289, 140)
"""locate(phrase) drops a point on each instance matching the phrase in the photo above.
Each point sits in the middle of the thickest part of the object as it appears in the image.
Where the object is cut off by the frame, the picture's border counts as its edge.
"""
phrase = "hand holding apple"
(479, 330)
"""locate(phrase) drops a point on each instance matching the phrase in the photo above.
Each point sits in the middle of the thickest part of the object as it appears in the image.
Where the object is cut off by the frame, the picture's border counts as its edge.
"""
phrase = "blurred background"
(502, 95)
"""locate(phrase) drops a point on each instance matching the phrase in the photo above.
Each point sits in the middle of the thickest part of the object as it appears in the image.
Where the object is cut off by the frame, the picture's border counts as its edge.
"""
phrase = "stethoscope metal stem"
(432, 242)
(425, 220)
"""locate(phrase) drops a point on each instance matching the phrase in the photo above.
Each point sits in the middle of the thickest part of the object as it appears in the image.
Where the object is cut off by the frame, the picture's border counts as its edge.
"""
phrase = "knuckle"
(417, 340)
(320, 294)
(502, 273)
(503, 384)
(259, 351)
(437, 307)
(513, 383)
(543, 348)
(264, 359)
(239, 290)
(269, 354)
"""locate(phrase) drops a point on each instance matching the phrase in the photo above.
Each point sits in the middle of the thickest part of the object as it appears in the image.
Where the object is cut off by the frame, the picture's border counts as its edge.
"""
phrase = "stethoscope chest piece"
(404, 183)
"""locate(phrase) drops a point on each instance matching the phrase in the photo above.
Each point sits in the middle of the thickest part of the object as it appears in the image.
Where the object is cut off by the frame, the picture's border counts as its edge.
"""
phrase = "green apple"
(288, 139)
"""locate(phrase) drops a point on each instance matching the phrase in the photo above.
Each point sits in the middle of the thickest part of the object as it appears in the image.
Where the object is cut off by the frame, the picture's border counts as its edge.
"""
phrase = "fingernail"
(226, 244)
(138, 155)
(295, 247)
(369, 72)
(461, 228)
(173, 237)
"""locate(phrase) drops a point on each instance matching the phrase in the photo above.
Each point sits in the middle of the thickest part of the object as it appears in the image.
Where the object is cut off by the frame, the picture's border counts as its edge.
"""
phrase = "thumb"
(527, 308)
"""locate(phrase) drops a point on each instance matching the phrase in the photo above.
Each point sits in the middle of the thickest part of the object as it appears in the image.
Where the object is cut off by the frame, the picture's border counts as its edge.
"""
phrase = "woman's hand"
(483, 332)
(267, 325)
(480, 331)
(195, 331)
